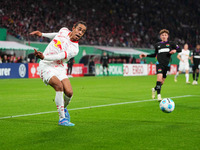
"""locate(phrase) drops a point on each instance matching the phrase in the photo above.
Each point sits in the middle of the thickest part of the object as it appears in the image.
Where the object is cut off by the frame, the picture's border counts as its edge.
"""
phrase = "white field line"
(106, 105)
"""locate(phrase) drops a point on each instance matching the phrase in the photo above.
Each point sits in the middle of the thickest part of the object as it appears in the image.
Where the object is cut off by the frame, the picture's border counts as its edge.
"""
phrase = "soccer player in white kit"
(52, 67)
(184, 57)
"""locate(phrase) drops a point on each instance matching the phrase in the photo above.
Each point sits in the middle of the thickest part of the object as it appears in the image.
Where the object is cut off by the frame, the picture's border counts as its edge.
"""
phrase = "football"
(167, 105)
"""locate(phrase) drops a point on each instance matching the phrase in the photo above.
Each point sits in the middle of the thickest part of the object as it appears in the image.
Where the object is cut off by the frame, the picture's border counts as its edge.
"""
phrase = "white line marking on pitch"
(106, 105)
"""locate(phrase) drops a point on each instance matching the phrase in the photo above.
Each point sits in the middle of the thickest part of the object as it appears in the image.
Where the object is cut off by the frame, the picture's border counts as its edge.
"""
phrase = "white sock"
(176, 74)
(187, 77)
(60, 104)
(66, 100)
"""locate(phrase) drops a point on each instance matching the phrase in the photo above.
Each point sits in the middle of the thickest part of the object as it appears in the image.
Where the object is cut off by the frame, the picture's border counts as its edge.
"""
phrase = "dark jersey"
(196, 56)
(70, 62)
(162, 50)
(104, 60)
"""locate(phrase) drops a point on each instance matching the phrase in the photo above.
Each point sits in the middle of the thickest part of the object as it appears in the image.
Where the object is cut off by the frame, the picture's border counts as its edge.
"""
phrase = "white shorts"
(46, 72)
(183, 67)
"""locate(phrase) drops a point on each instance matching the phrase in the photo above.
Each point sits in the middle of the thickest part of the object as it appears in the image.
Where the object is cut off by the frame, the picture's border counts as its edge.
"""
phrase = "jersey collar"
(163, 42)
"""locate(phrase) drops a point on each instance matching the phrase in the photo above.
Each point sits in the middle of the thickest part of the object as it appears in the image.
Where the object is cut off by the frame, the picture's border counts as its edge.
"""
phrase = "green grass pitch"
(125, 126)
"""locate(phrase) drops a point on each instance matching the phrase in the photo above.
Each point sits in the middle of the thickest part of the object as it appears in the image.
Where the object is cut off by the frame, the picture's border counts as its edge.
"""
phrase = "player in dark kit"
(196, 62)
(163, 52)
(104, 60)
(70, 66)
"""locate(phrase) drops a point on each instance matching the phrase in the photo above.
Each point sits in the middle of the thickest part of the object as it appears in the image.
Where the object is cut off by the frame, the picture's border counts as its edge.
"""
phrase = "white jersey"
(185, 54)
(60, 49)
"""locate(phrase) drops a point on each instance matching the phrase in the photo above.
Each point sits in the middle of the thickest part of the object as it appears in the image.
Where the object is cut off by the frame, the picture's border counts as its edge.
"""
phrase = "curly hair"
(164, 31)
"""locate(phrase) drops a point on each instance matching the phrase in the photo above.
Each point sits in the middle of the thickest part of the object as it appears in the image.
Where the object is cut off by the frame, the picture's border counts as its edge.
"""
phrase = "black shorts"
(162, 69)
(195, 66)
(105, 65)
(70, 66)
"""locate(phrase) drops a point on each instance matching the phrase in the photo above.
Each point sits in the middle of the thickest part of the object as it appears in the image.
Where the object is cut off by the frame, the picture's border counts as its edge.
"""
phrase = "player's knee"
(58, 87)
(69, 93)
(159, 77)
(56, 84)
(160, 80)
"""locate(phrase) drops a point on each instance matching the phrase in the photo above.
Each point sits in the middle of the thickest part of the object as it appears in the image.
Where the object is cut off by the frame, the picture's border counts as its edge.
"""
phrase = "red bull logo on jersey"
(57, 44)
(167, 45)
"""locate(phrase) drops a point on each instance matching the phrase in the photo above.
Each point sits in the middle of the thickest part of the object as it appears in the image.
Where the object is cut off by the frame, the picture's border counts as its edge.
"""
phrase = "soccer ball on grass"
(167, 105)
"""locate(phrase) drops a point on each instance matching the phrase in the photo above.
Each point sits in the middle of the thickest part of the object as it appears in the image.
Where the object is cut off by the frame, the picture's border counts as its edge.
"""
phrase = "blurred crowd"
(124, 23)
(12, 58)
(5, 58)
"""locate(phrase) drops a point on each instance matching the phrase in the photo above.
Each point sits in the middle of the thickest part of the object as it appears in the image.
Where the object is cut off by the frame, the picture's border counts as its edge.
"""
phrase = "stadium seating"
(125, 23)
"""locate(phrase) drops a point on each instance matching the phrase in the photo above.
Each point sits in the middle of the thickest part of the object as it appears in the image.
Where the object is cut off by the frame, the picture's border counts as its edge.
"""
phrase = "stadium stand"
(124, 23)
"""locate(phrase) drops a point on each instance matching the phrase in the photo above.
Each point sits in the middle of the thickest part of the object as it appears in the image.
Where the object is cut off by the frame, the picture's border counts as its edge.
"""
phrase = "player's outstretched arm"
(54, 57)
(38, 54)
(59, 56)
(172, 51)
(143, 55)
(47, 35)
(38, 33)
(175, 48)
